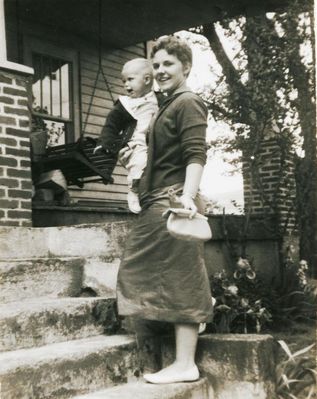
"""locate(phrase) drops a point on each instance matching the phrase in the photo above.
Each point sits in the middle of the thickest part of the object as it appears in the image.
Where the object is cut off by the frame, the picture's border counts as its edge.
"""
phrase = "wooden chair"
(77, 162)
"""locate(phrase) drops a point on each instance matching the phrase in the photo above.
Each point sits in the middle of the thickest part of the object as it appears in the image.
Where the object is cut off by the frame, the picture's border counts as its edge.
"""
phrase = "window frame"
(49, 49)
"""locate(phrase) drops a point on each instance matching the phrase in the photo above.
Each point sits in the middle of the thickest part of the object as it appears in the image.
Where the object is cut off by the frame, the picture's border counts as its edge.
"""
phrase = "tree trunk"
(307, 170)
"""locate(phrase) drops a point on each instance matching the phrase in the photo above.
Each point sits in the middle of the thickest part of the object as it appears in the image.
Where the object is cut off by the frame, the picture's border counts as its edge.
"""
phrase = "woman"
(162, 278)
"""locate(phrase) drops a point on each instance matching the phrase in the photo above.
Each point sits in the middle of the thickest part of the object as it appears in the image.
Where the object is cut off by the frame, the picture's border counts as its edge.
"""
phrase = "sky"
(218, 184)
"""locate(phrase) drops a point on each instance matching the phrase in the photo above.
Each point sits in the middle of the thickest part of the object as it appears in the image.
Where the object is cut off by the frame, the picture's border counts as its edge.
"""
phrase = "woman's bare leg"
(184, 367)
(186, 336)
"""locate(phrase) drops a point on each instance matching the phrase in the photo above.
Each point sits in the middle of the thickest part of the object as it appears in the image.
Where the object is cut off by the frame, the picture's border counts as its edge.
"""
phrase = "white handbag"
(182, 227)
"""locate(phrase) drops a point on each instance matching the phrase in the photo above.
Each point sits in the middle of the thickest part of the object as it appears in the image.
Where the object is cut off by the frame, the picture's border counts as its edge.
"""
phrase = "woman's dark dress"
(160, 277)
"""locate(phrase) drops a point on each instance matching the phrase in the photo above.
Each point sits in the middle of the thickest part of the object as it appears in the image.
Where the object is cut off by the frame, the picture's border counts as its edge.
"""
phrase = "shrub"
(294, 298)
(239, 308)
(245, 304)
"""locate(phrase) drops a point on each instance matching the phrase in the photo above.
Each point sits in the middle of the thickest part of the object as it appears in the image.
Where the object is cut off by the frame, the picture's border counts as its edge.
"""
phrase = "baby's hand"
(124, 155)
(97, 149)
(188, 203)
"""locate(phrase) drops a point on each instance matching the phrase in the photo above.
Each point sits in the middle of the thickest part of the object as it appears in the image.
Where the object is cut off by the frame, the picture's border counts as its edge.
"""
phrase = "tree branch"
(229, 70)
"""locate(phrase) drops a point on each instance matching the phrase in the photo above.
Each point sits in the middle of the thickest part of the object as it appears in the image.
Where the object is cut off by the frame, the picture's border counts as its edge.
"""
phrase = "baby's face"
(135, 82)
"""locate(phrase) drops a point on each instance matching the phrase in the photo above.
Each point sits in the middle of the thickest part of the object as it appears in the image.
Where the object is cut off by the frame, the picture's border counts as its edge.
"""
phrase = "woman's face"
(169, 72)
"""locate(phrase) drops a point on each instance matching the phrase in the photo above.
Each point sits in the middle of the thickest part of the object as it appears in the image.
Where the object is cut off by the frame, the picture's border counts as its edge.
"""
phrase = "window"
(53, 91)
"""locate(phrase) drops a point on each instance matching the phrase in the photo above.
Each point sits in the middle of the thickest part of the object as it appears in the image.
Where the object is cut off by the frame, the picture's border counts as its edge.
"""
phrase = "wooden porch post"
(3, 44)
(4, 63)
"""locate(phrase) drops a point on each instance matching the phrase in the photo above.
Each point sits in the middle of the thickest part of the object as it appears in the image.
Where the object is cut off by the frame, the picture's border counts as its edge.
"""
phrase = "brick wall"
(271, 188)
(15, 167)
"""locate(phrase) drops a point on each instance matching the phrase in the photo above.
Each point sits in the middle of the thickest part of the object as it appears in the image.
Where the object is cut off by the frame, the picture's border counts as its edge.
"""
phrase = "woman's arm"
(193, 176)
(191, 121)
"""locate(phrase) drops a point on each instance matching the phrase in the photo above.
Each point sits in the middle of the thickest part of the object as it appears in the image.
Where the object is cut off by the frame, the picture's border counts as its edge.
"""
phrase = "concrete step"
(240, 366)
(42, 321)
(71, 368)
(141, 390)
(88, 240)
(99, 244)
(29, 278)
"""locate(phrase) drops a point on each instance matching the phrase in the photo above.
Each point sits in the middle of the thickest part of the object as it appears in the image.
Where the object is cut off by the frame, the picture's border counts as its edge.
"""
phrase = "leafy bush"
(294, 298)
(245, 304)
(239, 307)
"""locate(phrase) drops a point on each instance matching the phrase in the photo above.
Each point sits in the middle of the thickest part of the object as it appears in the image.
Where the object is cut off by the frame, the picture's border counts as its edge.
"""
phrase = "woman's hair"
(175, 46)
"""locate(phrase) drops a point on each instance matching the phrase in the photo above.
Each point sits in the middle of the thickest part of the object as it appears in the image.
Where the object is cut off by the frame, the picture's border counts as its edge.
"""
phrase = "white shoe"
(133, 202)
(202, 328)
(173, 377)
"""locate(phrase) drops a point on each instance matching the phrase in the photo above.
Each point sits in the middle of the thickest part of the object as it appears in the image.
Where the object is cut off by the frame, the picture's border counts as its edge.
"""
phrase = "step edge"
(32, 357)
(141, 383)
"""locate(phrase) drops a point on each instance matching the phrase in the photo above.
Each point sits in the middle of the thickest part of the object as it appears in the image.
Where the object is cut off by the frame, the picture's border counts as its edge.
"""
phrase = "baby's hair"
(140, 63)
(174, 46)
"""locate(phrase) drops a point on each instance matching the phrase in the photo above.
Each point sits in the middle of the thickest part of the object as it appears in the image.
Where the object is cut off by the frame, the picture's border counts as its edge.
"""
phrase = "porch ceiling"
(126, 22)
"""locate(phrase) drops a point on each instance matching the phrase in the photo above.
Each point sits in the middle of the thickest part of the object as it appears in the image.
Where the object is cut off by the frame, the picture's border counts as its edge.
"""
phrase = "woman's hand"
(188, 203)
(194, 172)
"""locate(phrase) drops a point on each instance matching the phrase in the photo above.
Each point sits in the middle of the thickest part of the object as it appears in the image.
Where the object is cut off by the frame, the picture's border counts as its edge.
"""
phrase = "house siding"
(95, 111)
(98, 107)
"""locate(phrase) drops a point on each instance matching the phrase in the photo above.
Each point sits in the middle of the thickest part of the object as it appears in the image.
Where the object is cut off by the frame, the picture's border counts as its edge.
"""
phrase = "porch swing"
(77, 161)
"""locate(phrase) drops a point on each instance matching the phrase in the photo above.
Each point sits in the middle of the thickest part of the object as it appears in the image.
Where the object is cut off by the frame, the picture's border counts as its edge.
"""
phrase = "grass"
(298, 336)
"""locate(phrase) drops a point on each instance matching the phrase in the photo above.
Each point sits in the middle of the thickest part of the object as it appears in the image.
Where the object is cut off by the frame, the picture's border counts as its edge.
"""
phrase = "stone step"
(101, 276)
(71, 368)
(141, 390)
(88, 240)
(242, 365)
(30, 278)
(42, 321)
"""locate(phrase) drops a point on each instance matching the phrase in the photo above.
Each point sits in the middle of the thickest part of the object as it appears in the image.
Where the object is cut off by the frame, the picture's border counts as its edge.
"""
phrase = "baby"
(127, 123)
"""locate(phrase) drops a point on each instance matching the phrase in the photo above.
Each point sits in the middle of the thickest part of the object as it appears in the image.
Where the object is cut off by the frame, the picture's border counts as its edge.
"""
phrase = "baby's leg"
(133, 198)
(137, 162)
(135, 169)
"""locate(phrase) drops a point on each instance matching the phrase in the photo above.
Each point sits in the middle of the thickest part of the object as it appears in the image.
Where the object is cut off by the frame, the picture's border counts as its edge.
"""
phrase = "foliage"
(266, 89)
(239, 307)
(294, 298)
(259, 87)
(296, 375)
(38, 124)
(245, 303)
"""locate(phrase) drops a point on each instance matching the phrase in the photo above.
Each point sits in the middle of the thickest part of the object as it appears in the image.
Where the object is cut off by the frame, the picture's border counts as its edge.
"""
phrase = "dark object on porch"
(77, 163)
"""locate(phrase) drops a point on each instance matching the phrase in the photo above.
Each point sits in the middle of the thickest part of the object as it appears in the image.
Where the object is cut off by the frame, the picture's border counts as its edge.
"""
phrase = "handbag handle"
(182, 212)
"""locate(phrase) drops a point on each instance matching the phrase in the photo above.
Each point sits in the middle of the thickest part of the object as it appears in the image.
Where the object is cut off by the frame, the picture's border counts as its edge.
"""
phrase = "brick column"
(270, 187)
(15, 164)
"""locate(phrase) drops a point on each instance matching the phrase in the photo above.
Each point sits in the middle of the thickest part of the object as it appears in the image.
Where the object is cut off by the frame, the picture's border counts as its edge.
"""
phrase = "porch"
(34, 29)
